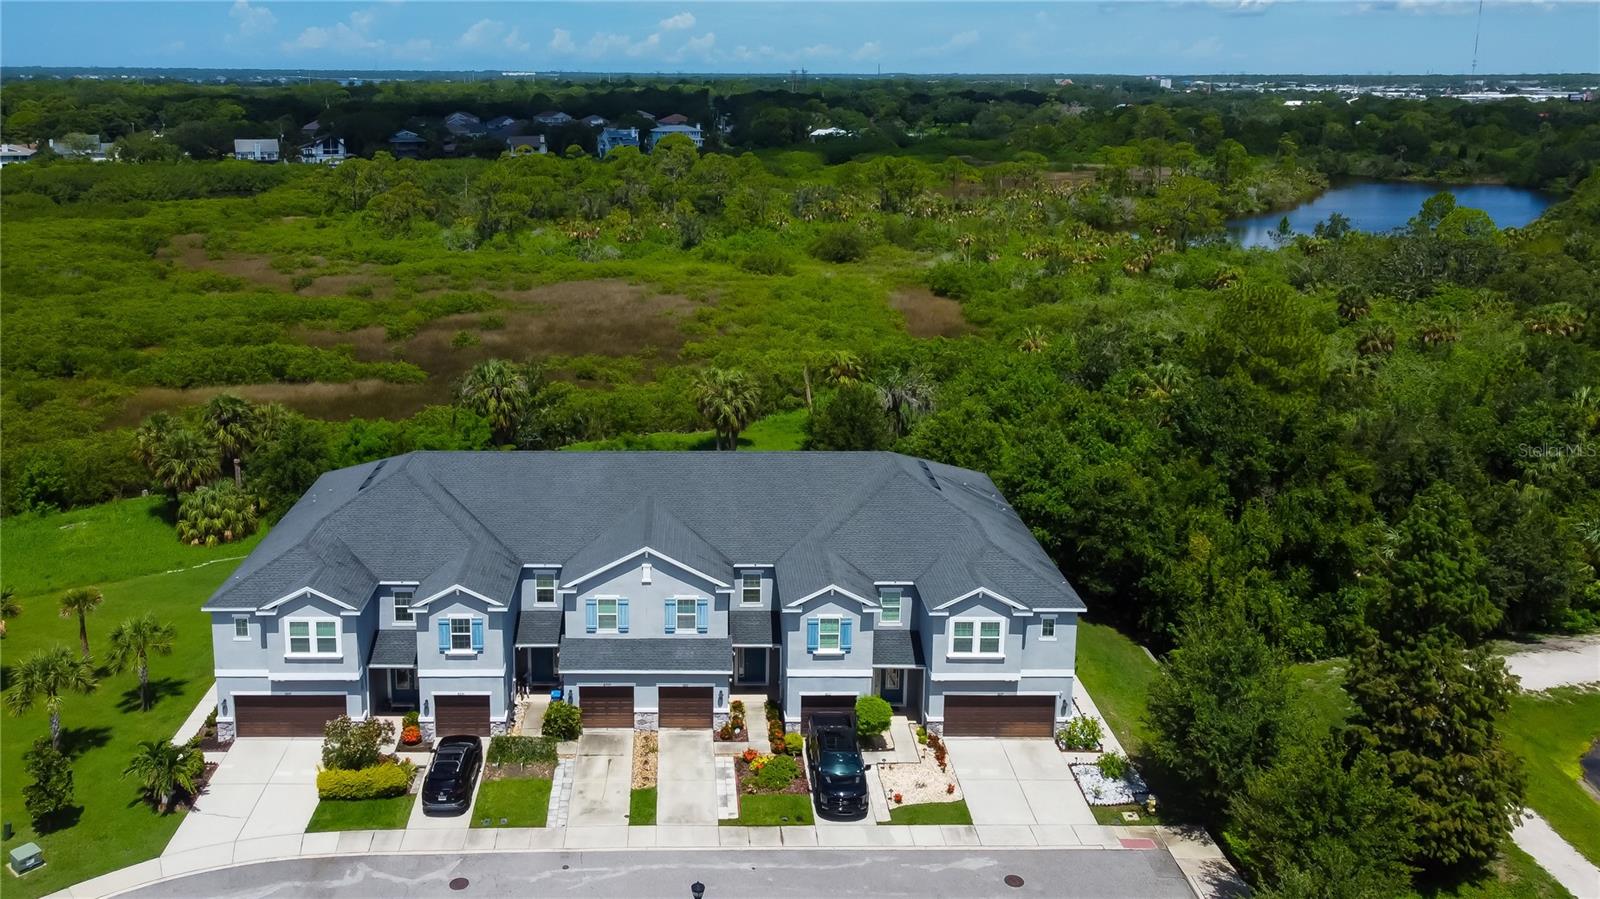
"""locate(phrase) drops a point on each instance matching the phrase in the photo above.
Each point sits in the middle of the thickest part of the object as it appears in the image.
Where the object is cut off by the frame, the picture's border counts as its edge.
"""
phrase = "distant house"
(525, 144)
(256, 149)
(676, 118)
(830, 131)
(612, 138)
(14, 153)
(311, 128)
(692, 132)
(551, 118)
(463, 123)
(594, 121)
(406, 143)
(324, 151)
(81, 146)
(499, 123)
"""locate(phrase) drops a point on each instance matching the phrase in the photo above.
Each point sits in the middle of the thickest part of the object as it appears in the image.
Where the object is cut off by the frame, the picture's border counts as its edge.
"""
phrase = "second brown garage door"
(685, 706)
(810, 705)
(991, 715)
(606, 706)
(285, 716)
(461, 715)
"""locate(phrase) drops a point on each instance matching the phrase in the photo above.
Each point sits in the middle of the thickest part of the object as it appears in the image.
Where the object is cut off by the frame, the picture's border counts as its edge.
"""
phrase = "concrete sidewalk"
(1557, 662)
(1534, 836)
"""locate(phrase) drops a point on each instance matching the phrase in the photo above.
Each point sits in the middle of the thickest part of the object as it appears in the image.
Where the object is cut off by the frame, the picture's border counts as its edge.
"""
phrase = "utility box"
(25, 858)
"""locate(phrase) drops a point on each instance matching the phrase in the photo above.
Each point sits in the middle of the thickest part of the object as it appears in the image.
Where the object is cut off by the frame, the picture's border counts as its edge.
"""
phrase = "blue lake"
(1378, 206)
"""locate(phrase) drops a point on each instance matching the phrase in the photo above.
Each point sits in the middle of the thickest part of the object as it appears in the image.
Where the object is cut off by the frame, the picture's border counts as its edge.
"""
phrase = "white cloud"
(253, 20)
(513, 41)
(489, 34)
(697, 46)
(350, 34)
(957, 41)
(679, 22)
(1243, 7)
(561, 42)
(869, 50)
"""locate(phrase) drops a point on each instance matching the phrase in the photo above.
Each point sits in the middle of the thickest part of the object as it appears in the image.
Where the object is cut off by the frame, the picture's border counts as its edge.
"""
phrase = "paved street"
(1066, 874)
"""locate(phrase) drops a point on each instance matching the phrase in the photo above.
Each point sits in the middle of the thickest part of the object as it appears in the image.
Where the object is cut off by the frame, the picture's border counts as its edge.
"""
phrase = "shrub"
(776, 742)
(219, 513)
(562, 721)
(922, 735)
(510, 750)
(1081, 734)
(726, 730)
(778, 772)
(410, 719)
(898, 798)
(751, 755)
(1113, 765)
(872, 716)
(411, 735)
(352, 745)
(372, 782)
(840, 243)
(49, 791)
(767, 261)
(793, 743)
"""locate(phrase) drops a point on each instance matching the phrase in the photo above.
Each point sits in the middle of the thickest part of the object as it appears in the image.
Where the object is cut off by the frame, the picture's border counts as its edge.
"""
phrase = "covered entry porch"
(536, 658)
(392, 672)
(898, 670)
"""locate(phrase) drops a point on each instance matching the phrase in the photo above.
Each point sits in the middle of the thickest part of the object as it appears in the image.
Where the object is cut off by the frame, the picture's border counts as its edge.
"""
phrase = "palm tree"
(132, 644)
(728, 400)
(9, 608)
(80, 601)
(1033, 340)
(844, 368)
(216, 513)
(903, 395)
(163, 768)
(48, 675)
(499, 392)
(150, 435)
(185, 460)
(230, 423)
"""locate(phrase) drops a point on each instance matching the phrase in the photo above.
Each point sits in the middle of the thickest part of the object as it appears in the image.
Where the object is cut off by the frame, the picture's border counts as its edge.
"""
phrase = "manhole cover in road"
(460, 883)
(1013, 880)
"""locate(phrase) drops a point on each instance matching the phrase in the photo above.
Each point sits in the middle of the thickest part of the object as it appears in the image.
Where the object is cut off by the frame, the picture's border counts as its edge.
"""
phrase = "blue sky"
(1312, 36)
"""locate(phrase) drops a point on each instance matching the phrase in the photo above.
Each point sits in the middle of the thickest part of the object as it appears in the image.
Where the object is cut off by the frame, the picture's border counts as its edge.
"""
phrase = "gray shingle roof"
(539, 627)
(897, 648)
(752, 628)
(394, 649)
(645, 654)
(474, 518)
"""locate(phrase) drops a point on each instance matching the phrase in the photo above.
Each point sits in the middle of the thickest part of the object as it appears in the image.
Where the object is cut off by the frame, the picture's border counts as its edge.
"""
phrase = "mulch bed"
(542, 770)
(739, 736)
(747, 781)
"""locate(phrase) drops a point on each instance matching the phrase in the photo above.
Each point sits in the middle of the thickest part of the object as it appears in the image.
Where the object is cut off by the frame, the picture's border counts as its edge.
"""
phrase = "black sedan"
(447, 790)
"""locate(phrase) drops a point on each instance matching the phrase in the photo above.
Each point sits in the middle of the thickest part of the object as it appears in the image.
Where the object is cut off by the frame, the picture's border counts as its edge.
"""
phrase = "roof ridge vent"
(929, 472)
(372, 474)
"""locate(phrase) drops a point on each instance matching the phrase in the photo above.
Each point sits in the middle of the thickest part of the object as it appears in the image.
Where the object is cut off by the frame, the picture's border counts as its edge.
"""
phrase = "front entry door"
(543, 670)
(752, 666)
(894, 685)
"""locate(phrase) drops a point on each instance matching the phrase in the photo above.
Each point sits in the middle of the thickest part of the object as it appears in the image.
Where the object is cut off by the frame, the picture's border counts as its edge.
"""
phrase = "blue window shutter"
(672, 616)
(702, 615)
(591, 616)
(444, 635)
(477, 635)
(811, 635)
(845, 627)
(622, 616)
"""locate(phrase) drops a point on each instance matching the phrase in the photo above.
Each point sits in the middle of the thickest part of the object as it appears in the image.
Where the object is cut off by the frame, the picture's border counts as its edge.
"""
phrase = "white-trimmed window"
(241, 627)
(313, 637)
(402, 605)
(1047, 627)
(750, 588)
(688, 617)
(544, 589)
(889, 601)
(828, 633)
(606, 615)
(977, 637)
(461, 635)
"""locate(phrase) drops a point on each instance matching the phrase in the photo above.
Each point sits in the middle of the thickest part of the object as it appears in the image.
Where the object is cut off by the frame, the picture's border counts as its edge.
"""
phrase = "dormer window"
(750, 588)
(889, 602)
(544, 589)
(402, 605)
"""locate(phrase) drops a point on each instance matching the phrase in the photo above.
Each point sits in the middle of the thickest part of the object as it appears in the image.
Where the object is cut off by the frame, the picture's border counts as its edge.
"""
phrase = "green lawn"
(642, 807)
(522, 801)
(362, 814)
(772, 810)
(931, 813)
(100, 544)
(100, 731)
(1551, 731)
(778, 431)
(1118, 674)
(1515, 876)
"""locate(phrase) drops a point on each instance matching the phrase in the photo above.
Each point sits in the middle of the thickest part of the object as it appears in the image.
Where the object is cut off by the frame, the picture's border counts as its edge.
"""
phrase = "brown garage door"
(286, 716)
(685, 706)
(606, 706)
(989, 715)
(810, 705)
(461, 715)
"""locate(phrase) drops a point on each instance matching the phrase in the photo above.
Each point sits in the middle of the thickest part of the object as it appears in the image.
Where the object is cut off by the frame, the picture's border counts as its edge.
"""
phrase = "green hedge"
(376, 782)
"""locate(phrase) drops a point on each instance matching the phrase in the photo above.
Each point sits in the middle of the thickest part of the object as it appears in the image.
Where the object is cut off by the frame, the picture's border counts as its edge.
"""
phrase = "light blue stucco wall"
(467, 673)
(646, 602)
(806, 673)
(257, 665)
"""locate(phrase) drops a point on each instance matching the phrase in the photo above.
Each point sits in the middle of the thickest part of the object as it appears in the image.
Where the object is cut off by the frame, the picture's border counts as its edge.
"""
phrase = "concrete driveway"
(686, 778)
(602, 778)
(264, 787)
(1017, 782)
(420, 821)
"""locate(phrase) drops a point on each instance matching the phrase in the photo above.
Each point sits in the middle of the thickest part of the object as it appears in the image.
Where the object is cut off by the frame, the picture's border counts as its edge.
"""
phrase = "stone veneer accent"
(496, 728)
(429, 734)
(226, 731)
(646, 721)
(718, 719)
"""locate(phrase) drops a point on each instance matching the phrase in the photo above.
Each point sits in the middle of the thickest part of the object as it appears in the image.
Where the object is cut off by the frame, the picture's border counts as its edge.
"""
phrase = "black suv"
(448, 787)
(838, 778)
